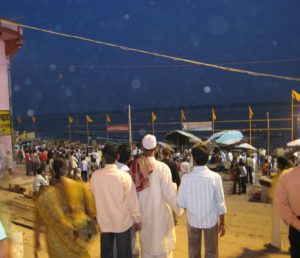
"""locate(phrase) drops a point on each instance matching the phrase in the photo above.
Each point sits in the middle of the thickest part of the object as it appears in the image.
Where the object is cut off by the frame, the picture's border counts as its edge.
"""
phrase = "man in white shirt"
(157, 236)
(84, 169)
(117, 205)
(124, 155)
(201, 193)
(40, 180)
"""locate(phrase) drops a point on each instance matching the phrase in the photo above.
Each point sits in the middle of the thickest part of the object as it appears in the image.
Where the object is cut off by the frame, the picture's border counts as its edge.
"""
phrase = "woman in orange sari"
(64, 208)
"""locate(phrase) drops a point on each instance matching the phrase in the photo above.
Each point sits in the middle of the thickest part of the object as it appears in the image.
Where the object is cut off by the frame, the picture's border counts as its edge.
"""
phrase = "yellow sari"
(63, 212)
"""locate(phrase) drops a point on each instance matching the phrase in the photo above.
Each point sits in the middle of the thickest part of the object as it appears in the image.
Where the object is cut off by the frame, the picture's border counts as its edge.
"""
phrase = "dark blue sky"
(53, 74)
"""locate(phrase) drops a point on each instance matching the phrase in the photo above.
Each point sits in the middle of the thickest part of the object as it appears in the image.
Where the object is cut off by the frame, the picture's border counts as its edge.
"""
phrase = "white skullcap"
(149, 142)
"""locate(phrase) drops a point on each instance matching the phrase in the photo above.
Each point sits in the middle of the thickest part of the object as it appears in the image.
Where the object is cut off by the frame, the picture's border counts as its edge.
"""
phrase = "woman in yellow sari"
(64, 208)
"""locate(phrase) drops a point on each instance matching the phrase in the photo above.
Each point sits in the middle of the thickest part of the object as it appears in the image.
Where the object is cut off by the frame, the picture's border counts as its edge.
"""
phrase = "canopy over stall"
(246, 146)
(227, 137)
(181, 138)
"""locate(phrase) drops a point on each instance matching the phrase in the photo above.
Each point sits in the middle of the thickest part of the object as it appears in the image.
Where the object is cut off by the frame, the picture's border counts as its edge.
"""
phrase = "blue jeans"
(123, 241)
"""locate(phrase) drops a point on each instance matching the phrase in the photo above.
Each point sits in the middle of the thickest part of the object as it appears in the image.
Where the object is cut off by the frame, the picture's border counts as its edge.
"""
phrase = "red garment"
(43, 156)
(140, 171)
(27, 156)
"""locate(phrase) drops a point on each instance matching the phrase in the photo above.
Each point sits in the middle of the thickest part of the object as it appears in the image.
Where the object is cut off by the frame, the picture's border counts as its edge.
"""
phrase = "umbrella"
(246, 146)
(165, 145)
(214, 136)
(294, 143)
(229, 137)
(181, 138)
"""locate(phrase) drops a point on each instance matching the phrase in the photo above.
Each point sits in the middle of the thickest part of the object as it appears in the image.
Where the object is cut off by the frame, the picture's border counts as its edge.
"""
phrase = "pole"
(106, 130)
(33, 128)
(268, 126)
(250, 130)
(70, 139)
(181, 120)
(152, 127)
(298, 120)
(213, 120)
(87, 131)
(292, 114)
(129, 127)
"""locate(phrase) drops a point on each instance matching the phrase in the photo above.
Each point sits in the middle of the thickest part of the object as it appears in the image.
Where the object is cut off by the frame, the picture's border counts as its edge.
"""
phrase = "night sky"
(52, 75)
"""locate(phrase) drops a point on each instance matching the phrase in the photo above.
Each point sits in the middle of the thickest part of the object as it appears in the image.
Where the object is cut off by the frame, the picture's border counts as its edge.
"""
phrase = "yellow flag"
(70, 119)
(33, 119)
(183, 118)
(213, 115)
(153, 116)
(250, 113)
(295, 95)
(89, 119)
(19, 120)
(107, 118)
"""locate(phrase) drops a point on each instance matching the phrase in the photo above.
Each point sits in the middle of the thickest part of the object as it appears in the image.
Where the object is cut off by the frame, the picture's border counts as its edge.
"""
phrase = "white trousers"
(165, 255)
(276, 237)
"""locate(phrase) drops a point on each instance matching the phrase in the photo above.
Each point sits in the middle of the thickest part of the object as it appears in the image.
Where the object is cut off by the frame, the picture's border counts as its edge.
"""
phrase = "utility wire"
(174, 58)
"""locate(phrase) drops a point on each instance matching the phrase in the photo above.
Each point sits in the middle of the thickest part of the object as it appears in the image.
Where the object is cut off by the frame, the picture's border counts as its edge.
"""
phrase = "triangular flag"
(213, 115)
(107, 118)
(183, 118)
(89, 119)
(250, 113)
(153, 117)
(33, 119)
(70, 119)
(295, 95)
(19, 119)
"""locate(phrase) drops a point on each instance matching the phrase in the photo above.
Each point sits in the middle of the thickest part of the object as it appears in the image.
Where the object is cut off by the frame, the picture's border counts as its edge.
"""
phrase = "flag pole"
(292, 114)
(250, 129)
(87, 131)
(268, 126)
(106, 129)
(181, 120)
(33, 127)
(129, 127)
(213, 121)
(70, 138)
(152, 127)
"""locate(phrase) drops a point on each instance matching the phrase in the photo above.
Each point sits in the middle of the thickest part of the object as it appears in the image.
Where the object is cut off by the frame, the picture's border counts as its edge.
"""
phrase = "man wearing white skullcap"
(157, 198)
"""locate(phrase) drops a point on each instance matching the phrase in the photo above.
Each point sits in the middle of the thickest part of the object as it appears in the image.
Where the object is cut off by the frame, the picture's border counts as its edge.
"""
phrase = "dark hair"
(200, 154)
(110, 153)
(124, 151)
(58, 165)
(241, 162)
(282, 163)
(39, 170)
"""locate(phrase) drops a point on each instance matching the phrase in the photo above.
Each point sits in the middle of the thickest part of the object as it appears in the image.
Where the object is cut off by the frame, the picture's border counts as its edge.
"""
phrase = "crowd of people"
(119, 190)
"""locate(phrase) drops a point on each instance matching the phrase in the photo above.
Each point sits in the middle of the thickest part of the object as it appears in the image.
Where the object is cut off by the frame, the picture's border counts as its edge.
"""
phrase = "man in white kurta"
(157, 236)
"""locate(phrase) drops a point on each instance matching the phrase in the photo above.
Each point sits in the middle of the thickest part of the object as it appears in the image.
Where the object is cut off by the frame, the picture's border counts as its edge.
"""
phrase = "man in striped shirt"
(201, 194)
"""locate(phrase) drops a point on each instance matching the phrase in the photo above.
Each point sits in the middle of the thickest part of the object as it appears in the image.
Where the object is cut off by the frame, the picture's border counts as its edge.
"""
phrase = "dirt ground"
(248, 226)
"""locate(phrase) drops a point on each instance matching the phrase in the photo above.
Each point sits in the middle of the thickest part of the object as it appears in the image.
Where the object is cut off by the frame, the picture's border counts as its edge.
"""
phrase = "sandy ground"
(248, 227)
